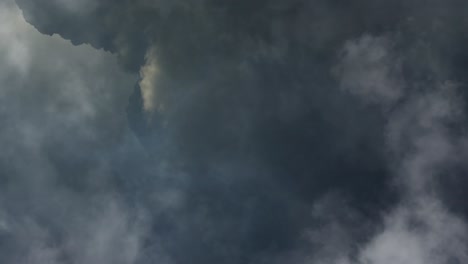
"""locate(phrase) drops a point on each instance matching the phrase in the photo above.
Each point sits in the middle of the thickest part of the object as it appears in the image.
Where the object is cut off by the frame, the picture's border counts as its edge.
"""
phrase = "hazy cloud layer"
(221, 131)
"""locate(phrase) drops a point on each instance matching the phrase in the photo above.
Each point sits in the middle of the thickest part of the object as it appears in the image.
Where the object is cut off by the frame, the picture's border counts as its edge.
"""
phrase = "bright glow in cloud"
(149, 74)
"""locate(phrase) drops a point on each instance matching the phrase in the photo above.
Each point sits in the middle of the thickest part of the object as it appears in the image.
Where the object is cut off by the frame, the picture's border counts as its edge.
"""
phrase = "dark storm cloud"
(251, 112)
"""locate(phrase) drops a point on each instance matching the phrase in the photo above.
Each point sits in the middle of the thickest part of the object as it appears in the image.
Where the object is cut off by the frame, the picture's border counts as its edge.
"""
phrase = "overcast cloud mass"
(222, 131)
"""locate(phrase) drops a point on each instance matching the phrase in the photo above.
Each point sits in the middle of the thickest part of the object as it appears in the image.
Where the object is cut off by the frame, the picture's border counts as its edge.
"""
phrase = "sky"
(233, 132)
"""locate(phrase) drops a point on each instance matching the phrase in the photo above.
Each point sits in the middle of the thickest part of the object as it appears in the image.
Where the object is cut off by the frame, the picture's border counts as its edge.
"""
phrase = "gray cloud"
(266, 131)
(61, 116)
(368, 70)
(422, 147)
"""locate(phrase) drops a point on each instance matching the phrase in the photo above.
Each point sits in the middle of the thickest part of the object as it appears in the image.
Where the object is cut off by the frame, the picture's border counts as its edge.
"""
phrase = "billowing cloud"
(423, 147)
(255, 131)
(61, 112)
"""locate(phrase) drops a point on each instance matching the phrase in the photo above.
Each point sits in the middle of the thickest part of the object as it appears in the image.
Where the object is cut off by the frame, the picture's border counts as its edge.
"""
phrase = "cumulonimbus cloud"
(249, 114)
